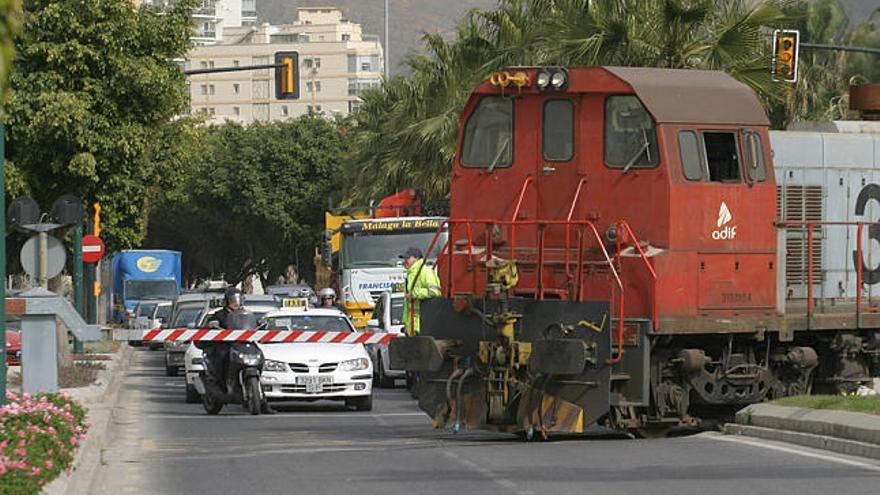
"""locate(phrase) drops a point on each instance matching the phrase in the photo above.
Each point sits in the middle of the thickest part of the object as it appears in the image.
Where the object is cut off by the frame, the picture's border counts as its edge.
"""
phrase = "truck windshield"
(150, 289)
(365, 249)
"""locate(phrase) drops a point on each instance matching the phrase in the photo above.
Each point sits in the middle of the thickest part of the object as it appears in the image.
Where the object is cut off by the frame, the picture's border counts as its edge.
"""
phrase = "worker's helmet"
(232, 296)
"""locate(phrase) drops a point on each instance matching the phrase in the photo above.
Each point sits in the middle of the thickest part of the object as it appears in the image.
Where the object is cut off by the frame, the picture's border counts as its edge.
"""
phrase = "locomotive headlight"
(543, 80)
(558, 79)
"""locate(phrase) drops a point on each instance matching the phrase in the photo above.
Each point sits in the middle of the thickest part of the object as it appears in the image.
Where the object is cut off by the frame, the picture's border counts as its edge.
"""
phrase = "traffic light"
(785, 54)
(287, 75)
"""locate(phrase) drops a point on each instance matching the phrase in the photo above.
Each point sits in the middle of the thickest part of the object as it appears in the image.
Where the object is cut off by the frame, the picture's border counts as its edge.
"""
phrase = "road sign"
(56, 256)
(92, 248)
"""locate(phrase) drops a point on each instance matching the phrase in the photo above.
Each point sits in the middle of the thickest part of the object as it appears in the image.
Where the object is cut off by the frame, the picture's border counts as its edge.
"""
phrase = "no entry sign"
(92, 248)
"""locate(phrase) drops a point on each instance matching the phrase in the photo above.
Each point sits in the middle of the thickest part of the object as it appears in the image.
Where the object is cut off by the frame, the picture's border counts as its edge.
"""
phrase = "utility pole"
(387, 47)
(78, 280)
(2, 268)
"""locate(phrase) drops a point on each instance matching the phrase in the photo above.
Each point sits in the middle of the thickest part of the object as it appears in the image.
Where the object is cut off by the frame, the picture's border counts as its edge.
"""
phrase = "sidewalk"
(839, 431)
(99, 399)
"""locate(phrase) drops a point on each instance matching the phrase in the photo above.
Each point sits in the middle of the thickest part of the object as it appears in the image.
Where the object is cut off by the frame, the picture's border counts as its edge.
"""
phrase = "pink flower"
(21, 443)
(49, 464)
(35, 471)
(73, 440)
(52, 431)
(20, 452)
(21, 434)
(3, 445)
(47, 419)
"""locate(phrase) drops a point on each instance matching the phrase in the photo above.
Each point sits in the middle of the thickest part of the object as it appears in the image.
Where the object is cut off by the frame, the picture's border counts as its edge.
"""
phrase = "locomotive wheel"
(652, 431)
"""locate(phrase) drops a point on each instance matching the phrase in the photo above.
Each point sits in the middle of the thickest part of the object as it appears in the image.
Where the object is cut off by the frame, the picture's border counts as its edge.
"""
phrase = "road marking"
(487, 473)
(283, 415)
(821, 455)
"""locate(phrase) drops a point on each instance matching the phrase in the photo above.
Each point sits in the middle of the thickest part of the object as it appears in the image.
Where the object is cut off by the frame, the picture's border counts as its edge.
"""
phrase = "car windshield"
(323, 323)
(187, 316)
(146, 309)
(150, 289)
(163, 312)
(383, 249)
(397, 311)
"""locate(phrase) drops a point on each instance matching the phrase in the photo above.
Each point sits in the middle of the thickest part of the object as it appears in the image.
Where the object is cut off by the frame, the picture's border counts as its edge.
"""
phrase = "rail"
(810, 227)
(584, 227)
(635, 241)
(574, 201)
(522, 194)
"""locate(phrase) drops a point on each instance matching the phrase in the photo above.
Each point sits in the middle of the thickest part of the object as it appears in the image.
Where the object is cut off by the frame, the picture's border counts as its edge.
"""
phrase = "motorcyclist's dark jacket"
(221, 316)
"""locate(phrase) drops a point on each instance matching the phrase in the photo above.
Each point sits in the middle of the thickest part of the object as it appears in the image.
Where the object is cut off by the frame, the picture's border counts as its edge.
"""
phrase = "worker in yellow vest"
(421, 283)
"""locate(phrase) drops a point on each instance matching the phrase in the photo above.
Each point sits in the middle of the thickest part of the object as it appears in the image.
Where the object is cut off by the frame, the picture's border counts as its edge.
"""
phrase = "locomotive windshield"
(488, 134)
(630, 134)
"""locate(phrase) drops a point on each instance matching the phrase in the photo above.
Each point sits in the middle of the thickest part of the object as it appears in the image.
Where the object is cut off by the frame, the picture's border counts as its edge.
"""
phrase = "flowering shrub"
(38, 439)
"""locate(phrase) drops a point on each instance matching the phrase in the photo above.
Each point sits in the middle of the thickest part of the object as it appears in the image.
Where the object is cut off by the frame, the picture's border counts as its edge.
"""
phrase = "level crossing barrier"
(263, 336)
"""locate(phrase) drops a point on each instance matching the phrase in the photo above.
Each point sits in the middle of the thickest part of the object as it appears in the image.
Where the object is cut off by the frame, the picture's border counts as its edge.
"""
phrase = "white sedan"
(313, 371)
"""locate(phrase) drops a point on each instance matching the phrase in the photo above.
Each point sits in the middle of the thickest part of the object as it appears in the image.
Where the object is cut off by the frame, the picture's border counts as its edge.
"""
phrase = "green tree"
(94, 93)
(254, 204)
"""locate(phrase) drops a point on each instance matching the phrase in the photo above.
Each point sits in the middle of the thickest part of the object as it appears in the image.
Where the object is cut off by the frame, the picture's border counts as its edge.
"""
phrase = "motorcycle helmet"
(232, 296)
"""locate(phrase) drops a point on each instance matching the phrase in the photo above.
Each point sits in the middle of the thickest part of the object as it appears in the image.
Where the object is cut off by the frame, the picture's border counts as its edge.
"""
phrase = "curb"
(100, 406)
(824, 442)
(846, 425)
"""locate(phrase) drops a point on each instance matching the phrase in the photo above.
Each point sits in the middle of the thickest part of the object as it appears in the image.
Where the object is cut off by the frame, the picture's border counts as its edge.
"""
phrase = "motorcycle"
(242, 383)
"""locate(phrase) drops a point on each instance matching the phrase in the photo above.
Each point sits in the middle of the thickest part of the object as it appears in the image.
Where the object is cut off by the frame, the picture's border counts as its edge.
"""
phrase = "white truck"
(369, 261)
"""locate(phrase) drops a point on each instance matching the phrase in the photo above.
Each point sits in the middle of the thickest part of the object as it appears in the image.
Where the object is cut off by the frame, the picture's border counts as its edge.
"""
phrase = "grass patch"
(869, 404)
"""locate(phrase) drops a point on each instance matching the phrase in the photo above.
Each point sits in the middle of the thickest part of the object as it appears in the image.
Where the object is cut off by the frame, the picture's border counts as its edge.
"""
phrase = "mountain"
(409, 18)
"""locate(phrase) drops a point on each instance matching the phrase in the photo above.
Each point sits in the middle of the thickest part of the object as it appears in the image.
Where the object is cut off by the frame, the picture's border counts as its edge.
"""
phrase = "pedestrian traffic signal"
(287, 75)
(785, 54)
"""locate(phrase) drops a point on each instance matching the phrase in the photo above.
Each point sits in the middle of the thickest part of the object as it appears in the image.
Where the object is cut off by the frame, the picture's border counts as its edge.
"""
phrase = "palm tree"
(406, 130)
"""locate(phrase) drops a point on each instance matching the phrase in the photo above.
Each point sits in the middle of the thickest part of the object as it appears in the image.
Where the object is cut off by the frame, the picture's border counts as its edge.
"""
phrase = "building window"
(346, 37)
(261, 89)
(204, 89)
(309, 86)
(210, 89)
(261, 111)
(722, 156)
(630, 134)
(558, 140)
(236, 111)
(317, 63)
(307, 63)
(354, 106)
(235, 63)
(212, 111)
(236, 88)
(284, 112)
(204, 64)
(317, 86)
(318, 108)
(365, 66)
(309, 109)
(211, 64)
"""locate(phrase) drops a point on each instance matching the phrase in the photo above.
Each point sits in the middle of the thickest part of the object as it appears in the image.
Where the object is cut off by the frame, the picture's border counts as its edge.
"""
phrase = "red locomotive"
(612, 257)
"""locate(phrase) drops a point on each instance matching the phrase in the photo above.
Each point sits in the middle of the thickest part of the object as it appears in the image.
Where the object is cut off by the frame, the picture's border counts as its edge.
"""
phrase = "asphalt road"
(160, 445)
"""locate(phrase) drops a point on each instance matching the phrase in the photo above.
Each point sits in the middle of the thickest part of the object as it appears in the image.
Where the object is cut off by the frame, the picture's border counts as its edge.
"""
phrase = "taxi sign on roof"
(296, 302)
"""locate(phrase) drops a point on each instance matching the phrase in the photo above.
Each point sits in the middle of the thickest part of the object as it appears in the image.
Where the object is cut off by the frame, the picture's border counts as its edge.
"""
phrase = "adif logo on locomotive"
(728, 232)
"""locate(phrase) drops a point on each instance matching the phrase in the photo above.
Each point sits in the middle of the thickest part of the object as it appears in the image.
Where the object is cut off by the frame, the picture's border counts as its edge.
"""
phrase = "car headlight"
(196, 360)
(270, 365)
(354, 364)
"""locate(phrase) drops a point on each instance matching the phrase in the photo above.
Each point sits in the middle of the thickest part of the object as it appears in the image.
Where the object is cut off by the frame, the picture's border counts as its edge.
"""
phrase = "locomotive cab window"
(630, 134)
(722, 156)
(488, 134)
(691, 160)
(754, 152)
(558, 135)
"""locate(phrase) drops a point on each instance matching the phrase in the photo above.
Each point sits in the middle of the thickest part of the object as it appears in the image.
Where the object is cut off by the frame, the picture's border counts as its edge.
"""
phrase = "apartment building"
(336, 63)
(212, 17)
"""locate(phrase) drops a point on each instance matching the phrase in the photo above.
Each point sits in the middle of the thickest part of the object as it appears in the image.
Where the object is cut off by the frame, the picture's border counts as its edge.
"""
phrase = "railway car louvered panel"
(802, 204)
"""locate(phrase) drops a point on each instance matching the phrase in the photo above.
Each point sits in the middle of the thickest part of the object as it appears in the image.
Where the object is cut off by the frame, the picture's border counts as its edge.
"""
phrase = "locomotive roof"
(693, 96)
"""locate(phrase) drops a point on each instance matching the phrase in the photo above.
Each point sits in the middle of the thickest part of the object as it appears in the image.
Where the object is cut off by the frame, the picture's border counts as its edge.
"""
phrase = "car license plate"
(314, 384)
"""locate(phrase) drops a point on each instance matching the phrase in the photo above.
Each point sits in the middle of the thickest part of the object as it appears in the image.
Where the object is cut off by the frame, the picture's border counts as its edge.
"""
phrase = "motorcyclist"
(217, 353)
(327, 298)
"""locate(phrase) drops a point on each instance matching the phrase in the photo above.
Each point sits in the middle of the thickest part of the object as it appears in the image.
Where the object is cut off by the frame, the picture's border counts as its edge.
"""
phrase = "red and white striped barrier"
(217, 335)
